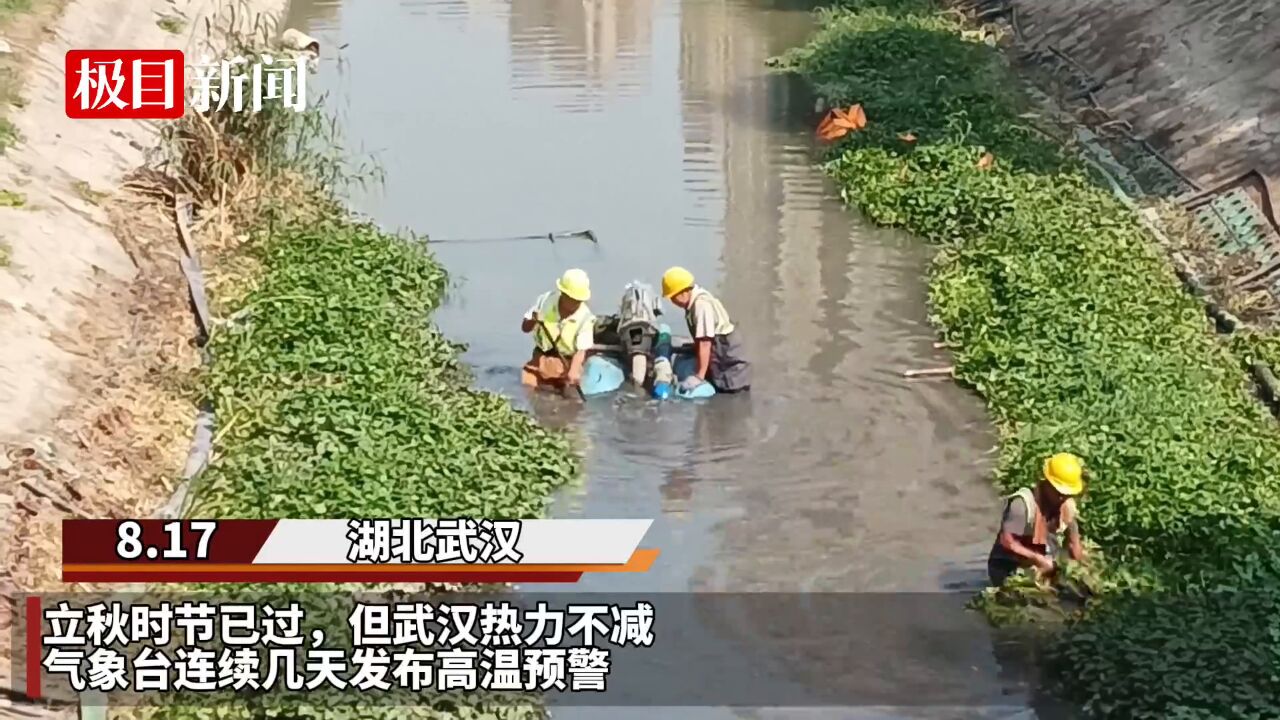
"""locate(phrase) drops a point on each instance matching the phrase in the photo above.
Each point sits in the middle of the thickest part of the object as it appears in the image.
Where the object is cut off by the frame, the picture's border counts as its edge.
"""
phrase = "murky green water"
(654, 123)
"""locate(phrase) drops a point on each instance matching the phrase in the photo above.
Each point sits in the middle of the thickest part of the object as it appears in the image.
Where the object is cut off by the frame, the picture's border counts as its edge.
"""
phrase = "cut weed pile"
(1068, 320)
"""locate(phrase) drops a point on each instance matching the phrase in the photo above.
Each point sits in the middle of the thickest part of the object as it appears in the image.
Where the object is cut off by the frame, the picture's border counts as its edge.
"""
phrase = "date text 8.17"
(187, 540)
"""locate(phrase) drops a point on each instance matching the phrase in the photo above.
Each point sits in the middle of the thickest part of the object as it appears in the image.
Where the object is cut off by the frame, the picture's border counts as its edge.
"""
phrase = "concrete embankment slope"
(67, 265)
(1199, 78)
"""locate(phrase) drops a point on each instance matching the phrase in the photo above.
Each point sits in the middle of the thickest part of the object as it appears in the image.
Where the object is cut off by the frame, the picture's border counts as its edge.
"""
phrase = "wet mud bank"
(1065, 314)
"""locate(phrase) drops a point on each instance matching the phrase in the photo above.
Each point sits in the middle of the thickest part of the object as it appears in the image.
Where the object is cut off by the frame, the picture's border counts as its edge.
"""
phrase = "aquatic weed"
(1068, 320)
(342, 400)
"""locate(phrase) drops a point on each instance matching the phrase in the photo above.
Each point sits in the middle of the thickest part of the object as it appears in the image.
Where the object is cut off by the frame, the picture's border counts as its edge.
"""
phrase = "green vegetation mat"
(339, 398)
(1070, 323)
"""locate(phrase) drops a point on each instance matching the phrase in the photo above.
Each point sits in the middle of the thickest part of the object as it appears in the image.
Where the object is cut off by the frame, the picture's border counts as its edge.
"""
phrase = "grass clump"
(1068, 320)
(6, 253)
(9, 8)
(9, 135)
(1255, 346)
(12, 198)
(86, 192)
(171, 24)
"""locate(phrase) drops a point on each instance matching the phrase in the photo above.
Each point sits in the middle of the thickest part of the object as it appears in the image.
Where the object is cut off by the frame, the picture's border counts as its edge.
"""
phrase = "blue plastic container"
(601, 374)
(686, 365)
(702, 391)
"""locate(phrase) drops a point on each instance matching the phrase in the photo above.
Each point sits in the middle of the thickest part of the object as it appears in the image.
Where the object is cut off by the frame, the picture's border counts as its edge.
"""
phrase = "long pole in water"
(550, 237)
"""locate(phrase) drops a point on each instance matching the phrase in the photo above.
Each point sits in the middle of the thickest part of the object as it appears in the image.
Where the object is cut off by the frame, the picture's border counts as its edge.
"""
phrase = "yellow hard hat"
(675, 280)
(575, 284)
(1065, 473)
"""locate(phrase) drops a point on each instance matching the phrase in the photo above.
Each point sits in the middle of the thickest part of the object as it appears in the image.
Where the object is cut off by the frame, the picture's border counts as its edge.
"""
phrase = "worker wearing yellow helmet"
(563, 331)
(1035, 520)
(716, 340)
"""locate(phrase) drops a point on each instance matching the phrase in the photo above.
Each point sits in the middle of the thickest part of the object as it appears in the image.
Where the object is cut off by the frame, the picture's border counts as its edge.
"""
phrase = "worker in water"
(1035, 520)
(563, 331)
(716, 342)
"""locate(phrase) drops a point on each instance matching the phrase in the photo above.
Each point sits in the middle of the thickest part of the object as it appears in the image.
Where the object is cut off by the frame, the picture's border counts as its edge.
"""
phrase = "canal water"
(655, 124)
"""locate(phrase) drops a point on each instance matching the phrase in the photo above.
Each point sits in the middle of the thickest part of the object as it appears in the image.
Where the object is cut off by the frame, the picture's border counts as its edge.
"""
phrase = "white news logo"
(215, 85)
(149, 84)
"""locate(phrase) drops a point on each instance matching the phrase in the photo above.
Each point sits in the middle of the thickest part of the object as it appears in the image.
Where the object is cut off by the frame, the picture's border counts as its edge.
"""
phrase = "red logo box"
(125, 84)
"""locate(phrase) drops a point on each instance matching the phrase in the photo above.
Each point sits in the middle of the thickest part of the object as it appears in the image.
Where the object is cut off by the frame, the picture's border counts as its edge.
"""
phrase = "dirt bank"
(1199, 78)
(67, 264)
(96, 391)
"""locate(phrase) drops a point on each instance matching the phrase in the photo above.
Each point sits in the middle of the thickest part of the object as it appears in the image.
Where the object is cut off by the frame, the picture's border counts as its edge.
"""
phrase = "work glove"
(691, 383)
